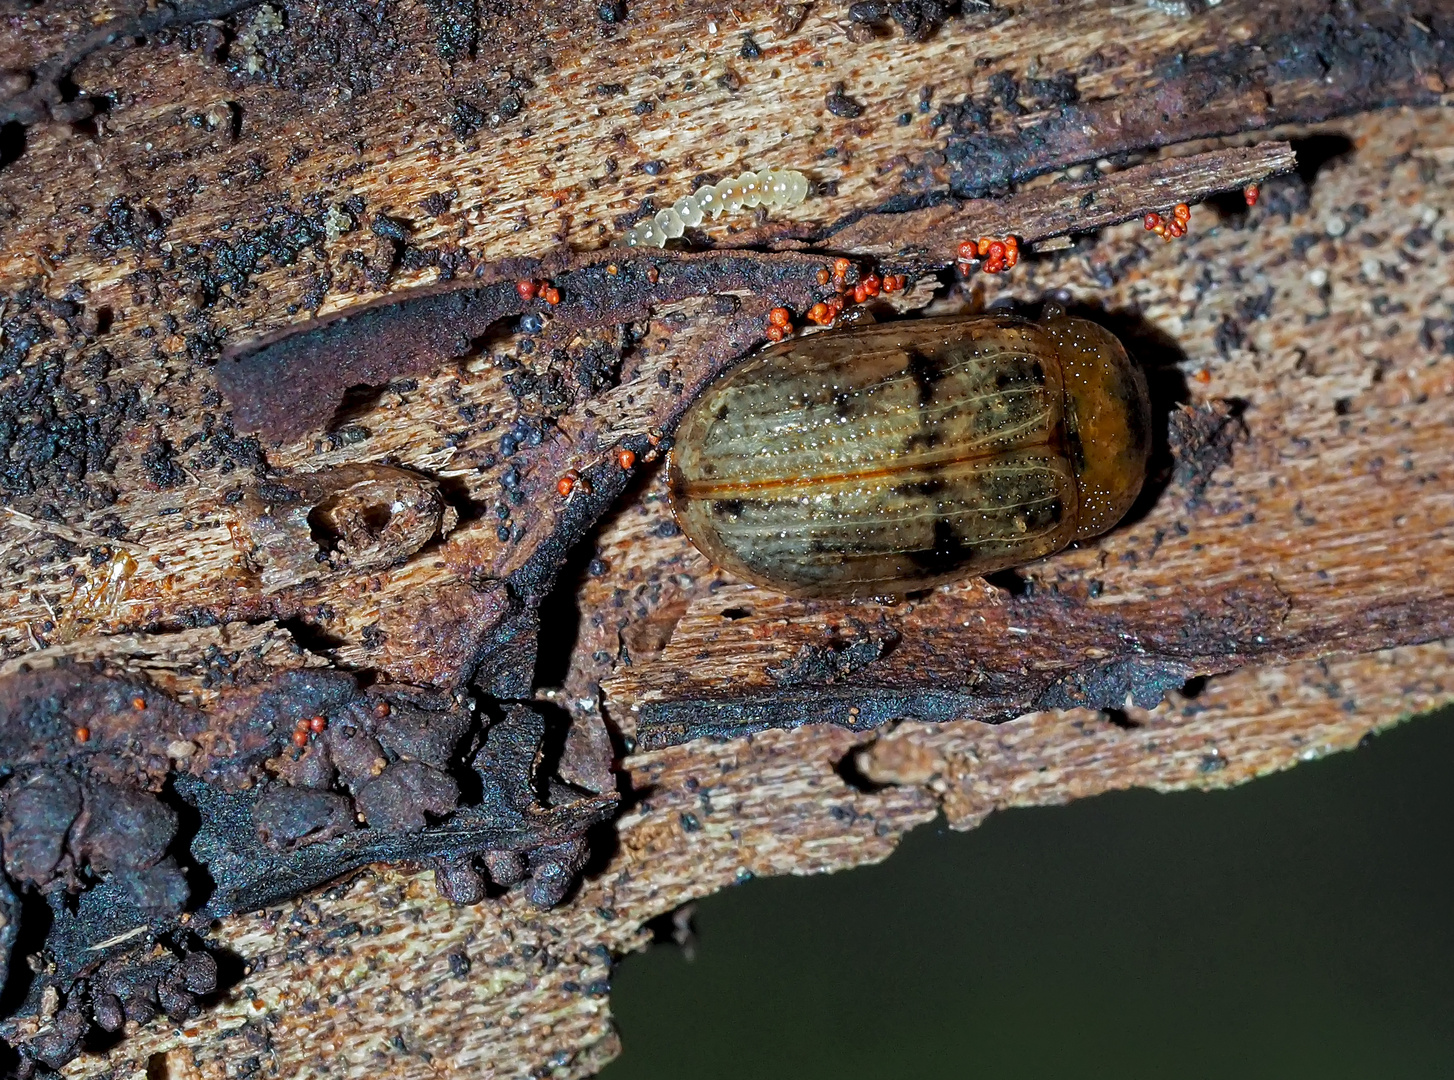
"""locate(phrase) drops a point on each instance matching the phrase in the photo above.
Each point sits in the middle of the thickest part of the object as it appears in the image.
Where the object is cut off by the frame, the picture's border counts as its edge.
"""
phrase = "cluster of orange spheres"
(305, 727)
(995, 255)
(779, 323)
(1169, 230)
(529, 290)
(824, 312)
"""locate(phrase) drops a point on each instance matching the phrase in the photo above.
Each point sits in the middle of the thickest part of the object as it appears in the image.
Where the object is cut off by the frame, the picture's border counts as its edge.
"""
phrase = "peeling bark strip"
(1305, 62)
(931, 237)
(969, 654)
(291, 382)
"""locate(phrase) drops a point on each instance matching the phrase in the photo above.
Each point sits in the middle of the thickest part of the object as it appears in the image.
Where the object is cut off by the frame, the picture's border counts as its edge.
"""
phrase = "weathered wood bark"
(1287, 583)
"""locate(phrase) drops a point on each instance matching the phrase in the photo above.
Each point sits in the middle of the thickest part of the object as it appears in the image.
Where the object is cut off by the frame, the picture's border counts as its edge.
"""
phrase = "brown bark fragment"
(1294, 547)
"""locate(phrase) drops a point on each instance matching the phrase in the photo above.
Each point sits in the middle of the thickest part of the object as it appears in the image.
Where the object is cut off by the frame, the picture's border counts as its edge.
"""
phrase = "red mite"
(567, 484)
(1250, 193)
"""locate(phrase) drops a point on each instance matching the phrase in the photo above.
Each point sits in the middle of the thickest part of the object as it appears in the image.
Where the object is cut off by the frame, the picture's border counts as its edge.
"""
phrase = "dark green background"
(1299, 926)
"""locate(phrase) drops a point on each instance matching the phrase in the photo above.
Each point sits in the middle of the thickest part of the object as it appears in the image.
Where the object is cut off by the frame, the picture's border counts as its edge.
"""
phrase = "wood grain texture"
(293, 160)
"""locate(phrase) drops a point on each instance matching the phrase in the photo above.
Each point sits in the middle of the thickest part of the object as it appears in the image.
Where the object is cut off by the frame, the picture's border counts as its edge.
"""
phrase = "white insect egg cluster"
(770, 187)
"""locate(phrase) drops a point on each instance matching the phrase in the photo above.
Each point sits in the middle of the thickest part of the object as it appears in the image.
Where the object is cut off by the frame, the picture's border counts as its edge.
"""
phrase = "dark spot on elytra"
(926, 371)
(948, 554)
(729, 508)
(926, 440)
(928, 487)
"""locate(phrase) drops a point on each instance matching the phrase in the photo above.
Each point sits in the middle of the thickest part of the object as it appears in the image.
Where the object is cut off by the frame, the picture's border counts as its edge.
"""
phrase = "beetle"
(894, 457)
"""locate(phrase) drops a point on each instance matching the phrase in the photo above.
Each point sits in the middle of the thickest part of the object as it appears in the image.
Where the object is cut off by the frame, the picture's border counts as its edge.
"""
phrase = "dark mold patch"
(219, 264)
(350, 45)
(136, 817)
(1144, 680)
(838, 659)
(1201, 441)
(918, 19)
(49, 94)
(455, 25)
(60, 420)
(667, 723)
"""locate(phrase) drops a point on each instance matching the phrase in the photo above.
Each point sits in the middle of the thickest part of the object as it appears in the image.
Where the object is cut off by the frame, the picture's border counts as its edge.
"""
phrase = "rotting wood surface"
(292, 160)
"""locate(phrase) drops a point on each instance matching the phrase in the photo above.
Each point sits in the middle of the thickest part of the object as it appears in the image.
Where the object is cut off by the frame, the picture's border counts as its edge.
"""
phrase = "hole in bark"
(1120, 718)
(1011, 582)
(324, 530)
(675, 928)
(35, 922)
(310, 636)
(552, 746)
(848, 771)
(200, 885)
(1318, 150)
(560, 619)
(457, 493)
(12, 142)
(1193, 687)
(735, 613)
(560, 613)
(358, 400)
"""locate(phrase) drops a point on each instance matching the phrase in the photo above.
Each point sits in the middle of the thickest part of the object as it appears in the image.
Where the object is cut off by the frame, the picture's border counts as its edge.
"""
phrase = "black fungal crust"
(45, 97)
(918, 19)
(88, 821)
